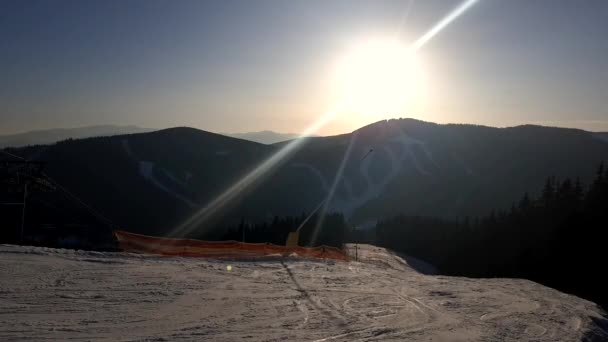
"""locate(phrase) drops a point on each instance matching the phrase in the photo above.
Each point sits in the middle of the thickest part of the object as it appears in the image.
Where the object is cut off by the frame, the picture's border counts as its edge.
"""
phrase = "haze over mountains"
(416, 168)
(264, 137)
(49, 136)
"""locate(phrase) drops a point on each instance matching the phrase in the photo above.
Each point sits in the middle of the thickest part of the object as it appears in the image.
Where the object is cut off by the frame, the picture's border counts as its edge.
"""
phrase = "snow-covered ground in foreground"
(62, 294)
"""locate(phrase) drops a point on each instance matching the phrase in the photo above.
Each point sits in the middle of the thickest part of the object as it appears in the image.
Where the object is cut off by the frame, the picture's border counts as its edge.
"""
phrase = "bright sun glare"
(378, 79)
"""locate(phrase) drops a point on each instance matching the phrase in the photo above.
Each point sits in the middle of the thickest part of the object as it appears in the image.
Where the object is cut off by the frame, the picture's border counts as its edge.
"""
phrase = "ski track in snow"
(600, 136)
(398, 156)
(146, 170)
(62, 294)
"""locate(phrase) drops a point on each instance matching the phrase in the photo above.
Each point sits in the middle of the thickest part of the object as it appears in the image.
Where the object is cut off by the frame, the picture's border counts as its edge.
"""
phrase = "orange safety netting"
(130, 242)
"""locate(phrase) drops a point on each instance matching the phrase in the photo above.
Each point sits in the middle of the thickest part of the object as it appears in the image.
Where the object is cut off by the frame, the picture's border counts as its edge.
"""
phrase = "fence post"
(23, 212)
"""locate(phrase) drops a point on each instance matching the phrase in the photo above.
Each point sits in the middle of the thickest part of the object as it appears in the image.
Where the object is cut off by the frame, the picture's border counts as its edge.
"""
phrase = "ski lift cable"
(84, 204)
(62, 210)
(12, 155)
(70, 194)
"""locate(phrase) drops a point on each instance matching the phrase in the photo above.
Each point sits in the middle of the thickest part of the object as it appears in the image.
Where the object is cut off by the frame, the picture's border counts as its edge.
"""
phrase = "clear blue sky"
(249, 65)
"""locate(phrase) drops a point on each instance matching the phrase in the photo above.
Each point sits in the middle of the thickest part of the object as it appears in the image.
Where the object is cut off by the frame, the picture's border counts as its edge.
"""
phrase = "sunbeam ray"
(333, 188)
(205, 213)
(442, 24)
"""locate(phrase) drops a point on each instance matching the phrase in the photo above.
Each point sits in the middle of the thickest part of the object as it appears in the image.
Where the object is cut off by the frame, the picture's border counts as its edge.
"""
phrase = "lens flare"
(197, 219)
(378, 71)
(332, 190)
(458, 11)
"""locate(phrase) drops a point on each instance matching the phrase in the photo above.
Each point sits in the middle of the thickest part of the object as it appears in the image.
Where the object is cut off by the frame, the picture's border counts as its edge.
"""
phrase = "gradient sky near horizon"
(238, 66)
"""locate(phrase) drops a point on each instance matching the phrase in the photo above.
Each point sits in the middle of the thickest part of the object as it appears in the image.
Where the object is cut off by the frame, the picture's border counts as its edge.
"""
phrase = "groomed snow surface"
(63, 294)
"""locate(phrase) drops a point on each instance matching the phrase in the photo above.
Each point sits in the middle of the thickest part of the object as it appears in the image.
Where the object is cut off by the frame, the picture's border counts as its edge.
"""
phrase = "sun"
(378, 79)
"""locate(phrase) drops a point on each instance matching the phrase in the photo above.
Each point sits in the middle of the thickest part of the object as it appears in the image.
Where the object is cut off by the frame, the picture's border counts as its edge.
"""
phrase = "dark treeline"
(557, 239)
(334, 230)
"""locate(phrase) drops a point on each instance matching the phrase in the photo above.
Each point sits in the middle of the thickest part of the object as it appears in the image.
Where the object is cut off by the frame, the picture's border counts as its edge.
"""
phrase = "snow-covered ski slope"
(63, 295)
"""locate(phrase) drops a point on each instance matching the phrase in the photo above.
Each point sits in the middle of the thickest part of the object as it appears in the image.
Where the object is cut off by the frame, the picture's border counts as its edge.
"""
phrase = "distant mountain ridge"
(49, 136)
(415, 168)
(264, 137)
(601, 135)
